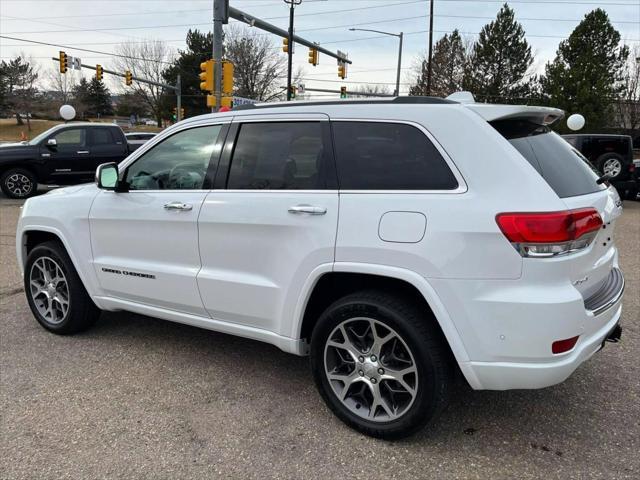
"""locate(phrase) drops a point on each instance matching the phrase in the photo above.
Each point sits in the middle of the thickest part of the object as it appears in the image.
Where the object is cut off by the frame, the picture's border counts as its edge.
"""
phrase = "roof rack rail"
(408, 100)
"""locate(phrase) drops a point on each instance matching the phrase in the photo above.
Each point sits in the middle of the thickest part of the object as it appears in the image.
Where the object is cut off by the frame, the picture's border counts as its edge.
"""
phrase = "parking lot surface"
(137, 397)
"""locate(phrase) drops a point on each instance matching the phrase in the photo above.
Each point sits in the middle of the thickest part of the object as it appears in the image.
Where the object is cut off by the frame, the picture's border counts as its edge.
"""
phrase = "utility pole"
(220, 14)
(292, 4)
(178, 98)
(430, 47)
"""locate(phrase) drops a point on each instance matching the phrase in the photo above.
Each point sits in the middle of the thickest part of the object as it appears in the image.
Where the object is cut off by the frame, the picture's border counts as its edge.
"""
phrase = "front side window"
(180, 162)
(278, 156)
(388, 156)
(72, 137)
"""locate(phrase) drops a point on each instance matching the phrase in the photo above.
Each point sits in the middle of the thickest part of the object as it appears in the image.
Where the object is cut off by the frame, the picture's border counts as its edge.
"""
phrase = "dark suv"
(63, 155)
(610, 154)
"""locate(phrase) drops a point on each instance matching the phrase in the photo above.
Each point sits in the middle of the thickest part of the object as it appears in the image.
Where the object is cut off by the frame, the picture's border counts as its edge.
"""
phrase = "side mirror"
(52, 143)
(107, 176)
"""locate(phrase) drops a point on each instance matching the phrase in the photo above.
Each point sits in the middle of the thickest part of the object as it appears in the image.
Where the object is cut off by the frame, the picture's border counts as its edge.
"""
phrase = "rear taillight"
(547, 234)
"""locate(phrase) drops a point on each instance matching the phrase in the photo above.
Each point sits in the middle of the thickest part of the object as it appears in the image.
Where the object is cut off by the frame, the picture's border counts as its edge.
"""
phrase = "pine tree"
(449, 59)
(583, 77)
(499, 60)
(80, 94)
(99, 98)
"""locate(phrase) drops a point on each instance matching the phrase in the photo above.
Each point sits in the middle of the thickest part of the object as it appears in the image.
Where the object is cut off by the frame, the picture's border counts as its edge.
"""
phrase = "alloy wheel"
(19, 184)
(612, 167)
(49, 290)
(371, 369)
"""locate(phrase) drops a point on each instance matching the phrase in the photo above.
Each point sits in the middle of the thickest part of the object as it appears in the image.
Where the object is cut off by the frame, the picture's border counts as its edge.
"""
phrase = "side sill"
(286, 344)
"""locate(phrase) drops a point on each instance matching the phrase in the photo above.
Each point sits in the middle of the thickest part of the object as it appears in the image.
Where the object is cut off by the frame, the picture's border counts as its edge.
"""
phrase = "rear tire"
(392, 372)
(18, 183)
(55, 293)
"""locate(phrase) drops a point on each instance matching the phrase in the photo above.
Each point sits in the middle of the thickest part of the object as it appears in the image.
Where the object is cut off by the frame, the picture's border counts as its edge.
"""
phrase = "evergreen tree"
(583, 77)
(499, 60)
(199, 46)
(449, 60)
(18, 88)
(80, 94)
(99, 98)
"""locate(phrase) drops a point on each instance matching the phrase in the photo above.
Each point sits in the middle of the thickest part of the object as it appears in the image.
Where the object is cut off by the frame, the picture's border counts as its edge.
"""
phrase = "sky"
(101, 24)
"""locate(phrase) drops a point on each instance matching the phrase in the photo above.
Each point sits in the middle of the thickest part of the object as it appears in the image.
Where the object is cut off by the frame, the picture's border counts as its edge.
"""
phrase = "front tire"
(381, 364)
(18, 183)
(55, 293)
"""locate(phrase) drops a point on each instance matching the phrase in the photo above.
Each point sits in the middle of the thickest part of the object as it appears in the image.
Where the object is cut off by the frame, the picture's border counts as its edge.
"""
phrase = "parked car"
(63, 155)
(610, 154)
(362, 233)
(137, 139)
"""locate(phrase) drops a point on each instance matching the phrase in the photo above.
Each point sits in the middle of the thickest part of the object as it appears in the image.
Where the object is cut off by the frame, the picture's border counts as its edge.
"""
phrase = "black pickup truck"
(63, 155)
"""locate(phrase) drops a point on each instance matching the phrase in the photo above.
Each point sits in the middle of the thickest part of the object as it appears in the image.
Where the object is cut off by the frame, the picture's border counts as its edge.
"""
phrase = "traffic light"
(294, 91)
(64, 65)
(227, 77)
(343, 92)
(128, 78)
(99, 72)
(211, 101)
(313, 56)
(226, 102)
(342, 70)
(181, 113)
(285, 45)
(175, 113)
(206, 77)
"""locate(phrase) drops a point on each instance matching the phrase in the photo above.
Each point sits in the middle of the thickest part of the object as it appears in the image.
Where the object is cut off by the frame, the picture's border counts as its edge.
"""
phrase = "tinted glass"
(278, 156)
(74, 136)
(388, 156)
(102, 136)
(565, 169)
(178, 163)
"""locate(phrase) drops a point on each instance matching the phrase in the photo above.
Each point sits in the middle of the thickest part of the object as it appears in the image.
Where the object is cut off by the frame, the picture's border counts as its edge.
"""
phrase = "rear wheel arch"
(331, 286)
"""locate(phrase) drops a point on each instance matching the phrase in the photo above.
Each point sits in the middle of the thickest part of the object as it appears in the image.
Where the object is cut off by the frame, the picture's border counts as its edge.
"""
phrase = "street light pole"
(399, 35)
(430, 47)
(292, 4)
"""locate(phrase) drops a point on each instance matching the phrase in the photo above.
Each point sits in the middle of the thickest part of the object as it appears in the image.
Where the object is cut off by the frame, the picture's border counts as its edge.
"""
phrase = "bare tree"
(371, 90)
(146, 60)
(628, 104)
(259, 68)
(61, 83)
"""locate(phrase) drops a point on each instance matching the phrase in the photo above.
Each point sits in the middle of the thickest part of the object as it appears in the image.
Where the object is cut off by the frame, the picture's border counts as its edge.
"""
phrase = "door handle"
(308, 209)
(83, 152)
(178, 206)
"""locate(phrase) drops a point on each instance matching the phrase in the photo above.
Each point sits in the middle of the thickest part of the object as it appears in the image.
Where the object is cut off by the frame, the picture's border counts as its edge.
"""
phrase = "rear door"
(270, 222)
(106, 144)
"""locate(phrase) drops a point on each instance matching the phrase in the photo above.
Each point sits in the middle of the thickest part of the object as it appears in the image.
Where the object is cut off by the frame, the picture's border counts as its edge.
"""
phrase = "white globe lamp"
(67, 112)
(575, 122)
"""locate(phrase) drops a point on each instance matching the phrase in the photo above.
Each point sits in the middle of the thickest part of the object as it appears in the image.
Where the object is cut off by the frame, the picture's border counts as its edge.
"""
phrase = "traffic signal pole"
(292, 4)
(220, 14)
(176, 88)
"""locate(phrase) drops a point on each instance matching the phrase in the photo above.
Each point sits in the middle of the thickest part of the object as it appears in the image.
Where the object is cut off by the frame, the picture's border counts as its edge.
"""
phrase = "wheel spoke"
(378, 401)
(378, 341)
(347, 381)
(398, 376)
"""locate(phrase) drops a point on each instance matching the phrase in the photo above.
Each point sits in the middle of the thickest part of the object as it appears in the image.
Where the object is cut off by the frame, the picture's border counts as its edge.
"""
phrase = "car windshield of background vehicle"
(565, 169)
(388, 156)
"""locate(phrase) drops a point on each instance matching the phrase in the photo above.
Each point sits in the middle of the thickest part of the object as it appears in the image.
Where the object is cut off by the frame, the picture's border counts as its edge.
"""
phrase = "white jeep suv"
(394, 241)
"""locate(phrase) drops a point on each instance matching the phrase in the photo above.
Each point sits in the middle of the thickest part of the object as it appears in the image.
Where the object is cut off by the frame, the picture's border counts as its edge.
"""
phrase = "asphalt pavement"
(141, 398)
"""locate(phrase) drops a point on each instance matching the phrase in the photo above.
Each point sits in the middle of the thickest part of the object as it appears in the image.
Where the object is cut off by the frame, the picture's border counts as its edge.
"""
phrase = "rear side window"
(102, 136)
(565, 169)
(278, 156)
(388, 156)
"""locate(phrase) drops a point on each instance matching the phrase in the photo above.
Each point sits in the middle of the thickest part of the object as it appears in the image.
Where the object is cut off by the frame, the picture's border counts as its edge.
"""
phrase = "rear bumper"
(508, 328)
(507, 376)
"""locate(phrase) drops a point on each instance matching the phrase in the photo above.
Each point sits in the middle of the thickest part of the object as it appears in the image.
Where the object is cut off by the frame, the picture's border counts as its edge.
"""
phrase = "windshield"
(564, 168)
(39, 138)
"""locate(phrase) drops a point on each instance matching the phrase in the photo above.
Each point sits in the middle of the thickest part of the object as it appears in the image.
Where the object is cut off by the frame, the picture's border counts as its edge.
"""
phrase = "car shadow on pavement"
(529, 418)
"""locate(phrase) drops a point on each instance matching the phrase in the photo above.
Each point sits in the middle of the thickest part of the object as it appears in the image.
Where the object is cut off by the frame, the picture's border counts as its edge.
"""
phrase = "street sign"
(243, 101)
(75, 63)
(301, 88)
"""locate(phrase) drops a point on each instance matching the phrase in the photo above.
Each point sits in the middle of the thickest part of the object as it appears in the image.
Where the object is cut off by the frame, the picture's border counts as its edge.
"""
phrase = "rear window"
(565, 169)
(388, 156)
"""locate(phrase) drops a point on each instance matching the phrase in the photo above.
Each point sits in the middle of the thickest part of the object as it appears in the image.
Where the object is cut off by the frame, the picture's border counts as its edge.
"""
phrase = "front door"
(145, 241)
(266, 228)
(65, 161)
